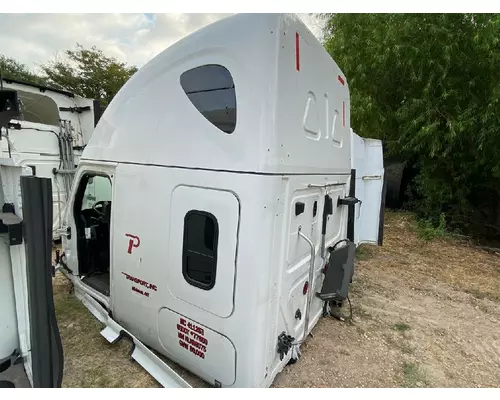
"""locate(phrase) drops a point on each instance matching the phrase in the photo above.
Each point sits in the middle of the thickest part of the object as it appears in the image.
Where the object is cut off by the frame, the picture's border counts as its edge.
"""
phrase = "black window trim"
(188, 279)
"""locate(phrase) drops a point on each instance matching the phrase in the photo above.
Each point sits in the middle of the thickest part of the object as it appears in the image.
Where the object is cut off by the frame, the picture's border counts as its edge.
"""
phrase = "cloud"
(34, 39)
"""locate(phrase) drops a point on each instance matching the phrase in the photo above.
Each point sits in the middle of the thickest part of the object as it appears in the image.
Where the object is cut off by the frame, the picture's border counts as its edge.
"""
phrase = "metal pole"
(58, 202)
(7, 126)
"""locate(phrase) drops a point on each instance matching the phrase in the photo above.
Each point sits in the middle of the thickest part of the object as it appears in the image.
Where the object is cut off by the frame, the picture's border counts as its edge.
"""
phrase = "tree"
(89, 73)
(429, 85)
(13, 69)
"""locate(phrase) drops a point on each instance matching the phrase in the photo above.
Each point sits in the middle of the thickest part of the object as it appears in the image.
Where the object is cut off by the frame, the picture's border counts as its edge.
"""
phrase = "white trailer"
(228, 229)
(48, 134)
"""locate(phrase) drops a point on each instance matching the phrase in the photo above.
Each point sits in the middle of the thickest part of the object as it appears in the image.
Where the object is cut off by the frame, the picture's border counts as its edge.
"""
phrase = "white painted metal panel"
(224, 207)
(367, 156)
(201, 348)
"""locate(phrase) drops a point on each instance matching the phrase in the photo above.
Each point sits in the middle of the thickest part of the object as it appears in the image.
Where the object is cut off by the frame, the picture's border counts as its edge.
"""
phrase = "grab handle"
(311, 283)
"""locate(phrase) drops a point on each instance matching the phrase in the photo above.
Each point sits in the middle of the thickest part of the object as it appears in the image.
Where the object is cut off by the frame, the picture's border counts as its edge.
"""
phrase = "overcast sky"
(134, 38)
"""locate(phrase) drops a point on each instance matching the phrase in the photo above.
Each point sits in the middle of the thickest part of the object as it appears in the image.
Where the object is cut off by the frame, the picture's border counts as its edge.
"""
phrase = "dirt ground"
(425, 314)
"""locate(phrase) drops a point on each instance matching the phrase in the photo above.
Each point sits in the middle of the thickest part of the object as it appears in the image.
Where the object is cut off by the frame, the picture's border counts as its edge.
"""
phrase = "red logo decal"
(147, 285)
(133, 242)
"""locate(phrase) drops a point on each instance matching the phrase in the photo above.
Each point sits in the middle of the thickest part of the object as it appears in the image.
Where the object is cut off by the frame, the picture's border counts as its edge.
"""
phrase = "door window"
(97, 191)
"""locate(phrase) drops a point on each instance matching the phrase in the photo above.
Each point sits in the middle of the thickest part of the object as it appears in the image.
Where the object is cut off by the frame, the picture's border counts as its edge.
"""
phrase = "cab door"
(367, 160)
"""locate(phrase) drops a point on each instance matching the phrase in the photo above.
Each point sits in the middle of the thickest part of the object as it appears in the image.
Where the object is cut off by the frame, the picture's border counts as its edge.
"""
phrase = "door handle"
(348, 201)
(310, 280)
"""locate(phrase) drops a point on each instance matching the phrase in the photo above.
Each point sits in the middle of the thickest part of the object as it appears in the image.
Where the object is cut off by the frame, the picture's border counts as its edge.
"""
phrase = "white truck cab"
(47, 134)
(223, 229)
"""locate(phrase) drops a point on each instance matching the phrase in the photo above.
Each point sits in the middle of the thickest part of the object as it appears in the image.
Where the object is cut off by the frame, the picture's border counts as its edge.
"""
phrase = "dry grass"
(413, 375)
(89, 360)
(454, 262)
(425, 314)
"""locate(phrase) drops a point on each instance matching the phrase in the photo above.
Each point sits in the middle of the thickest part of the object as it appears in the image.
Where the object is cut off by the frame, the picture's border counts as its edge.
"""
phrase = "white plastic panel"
(224, 207)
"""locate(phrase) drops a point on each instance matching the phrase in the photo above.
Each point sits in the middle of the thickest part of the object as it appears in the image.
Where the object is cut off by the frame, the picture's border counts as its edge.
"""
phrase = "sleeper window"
(199, 258)
(211, 90)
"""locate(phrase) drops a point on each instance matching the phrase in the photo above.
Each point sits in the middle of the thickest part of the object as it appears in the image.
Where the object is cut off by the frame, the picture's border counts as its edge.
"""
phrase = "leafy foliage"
(429, 85)
(89, 73)
(14, 70)
(427, 231)
(85, 72)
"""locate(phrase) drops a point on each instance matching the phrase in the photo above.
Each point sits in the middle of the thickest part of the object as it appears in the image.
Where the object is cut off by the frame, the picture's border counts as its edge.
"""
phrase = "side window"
(199, 255)
(211, 90)
(37, 108)
(97, 190)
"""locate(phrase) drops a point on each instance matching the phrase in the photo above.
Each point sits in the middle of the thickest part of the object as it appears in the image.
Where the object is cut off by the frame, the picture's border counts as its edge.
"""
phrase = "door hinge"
(66, 232)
